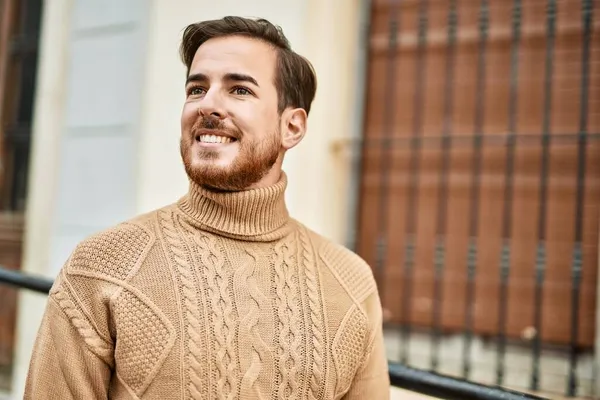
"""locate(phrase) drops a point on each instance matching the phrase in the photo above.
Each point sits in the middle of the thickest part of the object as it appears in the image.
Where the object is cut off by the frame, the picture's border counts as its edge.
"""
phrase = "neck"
(256, 214)
(271, 177)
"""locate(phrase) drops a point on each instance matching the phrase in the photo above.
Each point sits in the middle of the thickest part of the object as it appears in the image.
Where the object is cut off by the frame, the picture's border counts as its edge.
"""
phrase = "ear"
(293, 127)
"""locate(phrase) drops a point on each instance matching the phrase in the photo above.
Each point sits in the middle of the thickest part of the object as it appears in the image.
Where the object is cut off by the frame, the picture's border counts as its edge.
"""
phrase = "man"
(221, 295)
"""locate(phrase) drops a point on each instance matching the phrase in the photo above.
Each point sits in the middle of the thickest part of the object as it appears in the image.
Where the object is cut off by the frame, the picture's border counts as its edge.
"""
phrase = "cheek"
(258, 122)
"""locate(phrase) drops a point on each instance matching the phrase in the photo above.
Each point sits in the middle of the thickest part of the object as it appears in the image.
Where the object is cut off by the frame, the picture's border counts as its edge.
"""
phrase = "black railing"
(415, 380)
(23, 281)
(444, 387)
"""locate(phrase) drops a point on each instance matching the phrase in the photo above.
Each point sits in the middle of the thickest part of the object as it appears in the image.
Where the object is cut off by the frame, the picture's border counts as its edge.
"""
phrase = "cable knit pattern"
(89, 335)
(289, 319)
(315, 304)
(189, 301)
(218, 296)
(222, 314)
(248, 328)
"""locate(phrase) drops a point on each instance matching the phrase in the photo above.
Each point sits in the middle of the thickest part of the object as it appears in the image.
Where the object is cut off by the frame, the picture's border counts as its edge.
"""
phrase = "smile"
(213, 139)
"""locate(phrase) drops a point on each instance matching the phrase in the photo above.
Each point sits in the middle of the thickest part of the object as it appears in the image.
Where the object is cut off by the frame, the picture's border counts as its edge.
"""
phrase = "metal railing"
(23, 281)
(445, 387)
(412, 379)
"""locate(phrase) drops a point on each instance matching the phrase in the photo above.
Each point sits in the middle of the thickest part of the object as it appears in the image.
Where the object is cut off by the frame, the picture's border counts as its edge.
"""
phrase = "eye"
(195, 91)
(241, 91)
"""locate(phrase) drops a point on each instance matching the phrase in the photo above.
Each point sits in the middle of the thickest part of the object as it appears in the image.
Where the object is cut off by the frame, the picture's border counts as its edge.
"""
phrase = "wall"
(97, 169)
(85, 134)
(45, 153)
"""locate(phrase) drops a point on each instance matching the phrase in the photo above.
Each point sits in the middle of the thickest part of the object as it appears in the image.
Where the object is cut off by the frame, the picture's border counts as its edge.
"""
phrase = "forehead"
(235, 54)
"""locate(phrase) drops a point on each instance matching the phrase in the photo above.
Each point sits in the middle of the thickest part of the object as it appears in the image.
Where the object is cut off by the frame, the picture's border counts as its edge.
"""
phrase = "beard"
(254, 159)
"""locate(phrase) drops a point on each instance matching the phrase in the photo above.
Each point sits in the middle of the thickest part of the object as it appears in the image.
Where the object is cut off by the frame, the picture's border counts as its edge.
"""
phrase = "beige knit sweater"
(220, 296)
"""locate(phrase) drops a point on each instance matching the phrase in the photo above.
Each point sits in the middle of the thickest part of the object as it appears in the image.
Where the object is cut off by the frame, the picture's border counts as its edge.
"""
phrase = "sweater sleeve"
(70, 360)
(372, 379)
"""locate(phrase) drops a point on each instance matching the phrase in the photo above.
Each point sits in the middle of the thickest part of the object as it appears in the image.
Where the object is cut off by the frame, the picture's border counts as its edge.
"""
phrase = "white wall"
(98, 144)
(84, 138)
(49, 111)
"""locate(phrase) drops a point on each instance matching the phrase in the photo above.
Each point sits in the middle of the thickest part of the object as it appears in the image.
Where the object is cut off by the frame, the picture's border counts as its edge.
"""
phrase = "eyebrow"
(232, 76)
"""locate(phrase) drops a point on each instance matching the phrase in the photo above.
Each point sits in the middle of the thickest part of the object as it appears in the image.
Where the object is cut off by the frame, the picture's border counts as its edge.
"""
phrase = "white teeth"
(215, 139)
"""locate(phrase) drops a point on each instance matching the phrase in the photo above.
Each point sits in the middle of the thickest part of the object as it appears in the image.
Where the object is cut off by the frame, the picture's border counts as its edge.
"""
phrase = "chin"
(214, 164)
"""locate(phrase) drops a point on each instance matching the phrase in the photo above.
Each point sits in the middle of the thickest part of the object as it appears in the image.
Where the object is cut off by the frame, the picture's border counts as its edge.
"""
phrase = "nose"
(211, 105)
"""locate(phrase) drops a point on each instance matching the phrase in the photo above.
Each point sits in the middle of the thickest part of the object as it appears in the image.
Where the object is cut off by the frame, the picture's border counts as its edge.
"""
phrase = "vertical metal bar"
(508, 191)
(577, 262)
(443, 184)
(540, 263)
(7, 23)
(475, 184)
(414, 169)
(388, 118)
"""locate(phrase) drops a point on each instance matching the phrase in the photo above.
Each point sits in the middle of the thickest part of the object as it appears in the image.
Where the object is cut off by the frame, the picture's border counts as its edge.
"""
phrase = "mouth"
(205, 137)
(214, 139)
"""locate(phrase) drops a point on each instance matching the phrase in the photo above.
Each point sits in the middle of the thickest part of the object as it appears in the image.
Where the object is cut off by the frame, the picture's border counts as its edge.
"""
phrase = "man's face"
(230, 125)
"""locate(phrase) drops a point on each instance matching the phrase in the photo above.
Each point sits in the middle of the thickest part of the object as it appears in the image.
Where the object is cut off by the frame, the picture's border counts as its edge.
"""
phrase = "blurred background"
(453, 144)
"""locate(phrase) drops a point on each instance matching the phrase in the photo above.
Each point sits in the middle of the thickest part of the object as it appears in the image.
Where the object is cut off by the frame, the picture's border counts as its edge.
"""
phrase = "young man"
(221, 295)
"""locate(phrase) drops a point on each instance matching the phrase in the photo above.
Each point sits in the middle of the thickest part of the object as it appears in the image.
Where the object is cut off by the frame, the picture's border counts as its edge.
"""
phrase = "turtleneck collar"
(254, 214)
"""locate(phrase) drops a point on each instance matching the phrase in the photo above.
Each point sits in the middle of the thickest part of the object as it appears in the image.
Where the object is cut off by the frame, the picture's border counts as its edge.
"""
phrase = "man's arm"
(70, 360)
(372, 379)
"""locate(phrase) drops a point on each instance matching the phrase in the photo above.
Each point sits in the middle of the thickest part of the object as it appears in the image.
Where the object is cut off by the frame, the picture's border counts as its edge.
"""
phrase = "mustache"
(210, 123)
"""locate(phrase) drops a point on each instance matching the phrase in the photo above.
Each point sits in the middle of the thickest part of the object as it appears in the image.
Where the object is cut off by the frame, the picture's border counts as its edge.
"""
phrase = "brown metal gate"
(480, 182)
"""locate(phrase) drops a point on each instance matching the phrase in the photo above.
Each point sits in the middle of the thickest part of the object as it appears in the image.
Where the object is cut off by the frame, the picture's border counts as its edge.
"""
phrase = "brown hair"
(295, 78)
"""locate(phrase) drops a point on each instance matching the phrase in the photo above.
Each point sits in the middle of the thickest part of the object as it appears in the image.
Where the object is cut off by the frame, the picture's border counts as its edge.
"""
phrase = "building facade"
(425, 153)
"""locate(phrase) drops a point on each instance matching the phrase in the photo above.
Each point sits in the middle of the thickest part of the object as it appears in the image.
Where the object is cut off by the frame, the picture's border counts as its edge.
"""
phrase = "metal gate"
(480, 174)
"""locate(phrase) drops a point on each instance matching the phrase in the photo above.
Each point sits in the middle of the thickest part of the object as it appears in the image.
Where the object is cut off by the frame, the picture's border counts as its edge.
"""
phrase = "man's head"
(247, 99)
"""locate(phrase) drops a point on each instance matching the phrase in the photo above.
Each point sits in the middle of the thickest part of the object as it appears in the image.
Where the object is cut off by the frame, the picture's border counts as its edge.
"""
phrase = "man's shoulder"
(113, 252)
(351, 271)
